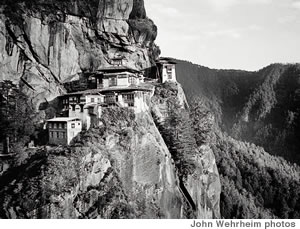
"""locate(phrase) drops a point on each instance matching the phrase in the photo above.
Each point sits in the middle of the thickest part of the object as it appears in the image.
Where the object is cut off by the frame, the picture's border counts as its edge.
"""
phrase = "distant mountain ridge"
(256, 120)
(261, 107)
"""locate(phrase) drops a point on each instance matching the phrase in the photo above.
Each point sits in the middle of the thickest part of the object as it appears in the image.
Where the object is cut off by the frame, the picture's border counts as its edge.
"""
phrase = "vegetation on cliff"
(254, 183)
(260, 107)
(263, 108)
(16, 118)
(177, 130)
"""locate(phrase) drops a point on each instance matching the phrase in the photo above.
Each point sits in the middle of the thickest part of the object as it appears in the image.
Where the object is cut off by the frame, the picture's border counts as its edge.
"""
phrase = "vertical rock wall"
(45, 43)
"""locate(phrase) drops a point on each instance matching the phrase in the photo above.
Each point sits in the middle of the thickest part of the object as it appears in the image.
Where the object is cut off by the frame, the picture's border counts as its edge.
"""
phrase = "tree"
(16, 115)
(203, 122)
(179, 137)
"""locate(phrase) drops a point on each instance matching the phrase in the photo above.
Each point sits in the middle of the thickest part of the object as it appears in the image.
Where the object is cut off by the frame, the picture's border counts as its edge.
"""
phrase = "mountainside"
(207, 149)
(260, 107)
(46, 43)
(252, 107)
(123, 169)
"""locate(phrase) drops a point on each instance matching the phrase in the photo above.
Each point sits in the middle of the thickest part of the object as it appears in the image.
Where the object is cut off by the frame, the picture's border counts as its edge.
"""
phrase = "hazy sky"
(238, 34)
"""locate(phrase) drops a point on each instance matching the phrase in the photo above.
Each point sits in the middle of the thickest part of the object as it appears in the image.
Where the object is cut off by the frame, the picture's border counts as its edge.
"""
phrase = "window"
(57, 134)
(128, 97)
(92, 100)
(81, 108)
(99, 100)
(54, 126)
(82, 100)
(63, 135)
(132, 80)
(113, 81)
(50, 125)
(111, 99)
(117, 62)
(79, 124)
(73, 107)
(51, 134)
(73, 125)
(60, 126)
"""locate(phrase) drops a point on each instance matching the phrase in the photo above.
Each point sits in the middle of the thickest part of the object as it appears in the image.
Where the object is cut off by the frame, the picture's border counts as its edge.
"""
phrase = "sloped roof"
(86, 92)
(141, 87)
(112, 69)
(166, 60)
(63, 119)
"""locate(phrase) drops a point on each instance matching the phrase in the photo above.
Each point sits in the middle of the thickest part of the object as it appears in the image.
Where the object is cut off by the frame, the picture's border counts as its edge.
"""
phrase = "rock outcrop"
(202, 188)
(124, 172)
(46, 43)
(123, 169)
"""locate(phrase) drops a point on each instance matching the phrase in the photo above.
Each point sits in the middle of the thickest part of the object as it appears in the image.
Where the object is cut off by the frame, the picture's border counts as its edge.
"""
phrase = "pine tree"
(16, 115)
(179, 136)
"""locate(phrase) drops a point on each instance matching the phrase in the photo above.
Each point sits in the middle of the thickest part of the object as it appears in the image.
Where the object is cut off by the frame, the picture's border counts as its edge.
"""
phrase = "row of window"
(73, 125)
(111, 99)
(127, 97)
(59, 135)
(80, 100)
(57, 125)
(61, 125)
(73, 108)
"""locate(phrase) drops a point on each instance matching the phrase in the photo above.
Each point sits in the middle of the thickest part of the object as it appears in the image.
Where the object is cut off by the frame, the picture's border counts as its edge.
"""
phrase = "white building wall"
(84, 115)
(123, 82)
(105, 83)
(73, 129)
(165, 75)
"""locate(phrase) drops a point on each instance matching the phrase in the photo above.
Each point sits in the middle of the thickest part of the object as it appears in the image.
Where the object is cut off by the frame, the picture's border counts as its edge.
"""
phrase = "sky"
(228, 34)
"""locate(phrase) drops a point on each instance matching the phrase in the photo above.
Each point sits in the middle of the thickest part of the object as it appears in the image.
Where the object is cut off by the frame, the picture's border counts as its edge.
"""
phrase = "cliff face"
(124, 172)
(123, 169)
(203, 185)
(46, 43)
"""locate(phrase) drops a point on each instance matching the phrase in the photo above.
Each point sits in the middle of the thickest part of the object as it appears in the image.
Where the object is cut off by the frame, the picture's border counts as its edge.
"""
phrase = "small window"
(79, 124)
(64, 135)
(73, 125)
(60, 126)
(92, 100)
(51, 134)
(113, 81)
(57, 134)
(55, 126)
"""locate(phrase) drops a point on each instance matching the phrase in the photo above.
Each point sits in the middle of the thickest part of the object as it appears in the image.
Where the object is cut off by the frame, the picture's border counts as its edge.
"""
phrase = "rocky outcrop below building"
(46, 43)
(122, 169)
(201, 187)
